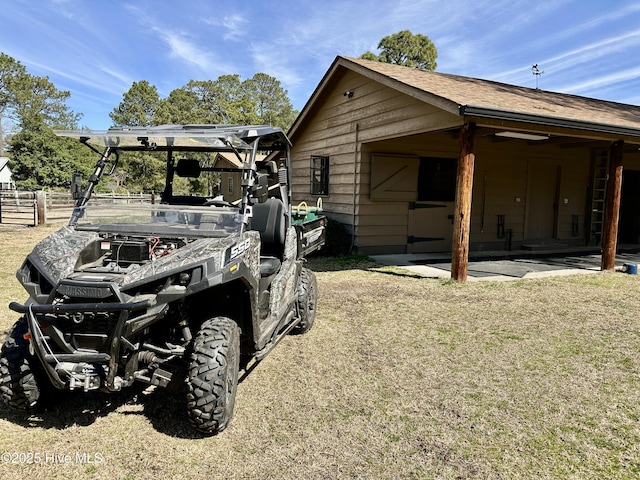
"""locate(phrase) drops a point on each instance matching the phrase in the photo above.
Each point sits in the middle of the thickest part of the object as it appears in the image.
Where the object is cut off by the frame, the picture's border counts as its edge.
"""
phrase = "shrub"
(338, 240)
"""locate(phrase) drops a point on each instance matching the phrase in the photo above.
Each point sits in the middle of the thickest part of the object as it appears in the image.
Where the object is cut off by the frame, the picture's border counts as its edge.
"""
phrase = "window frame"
(319, 175)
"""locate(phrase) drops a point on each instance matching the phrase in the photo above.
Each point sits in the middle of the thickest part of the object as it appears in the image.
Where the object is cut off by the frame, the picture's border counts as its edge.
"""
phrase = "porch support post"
(612, 207)
(462, 211)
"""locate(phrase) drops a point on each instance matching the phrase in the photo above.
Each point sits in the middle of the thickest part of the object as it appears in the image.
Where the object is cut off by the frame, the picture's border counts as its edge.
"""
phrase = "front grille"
(67, 327)
(68, 331)
(85, 322)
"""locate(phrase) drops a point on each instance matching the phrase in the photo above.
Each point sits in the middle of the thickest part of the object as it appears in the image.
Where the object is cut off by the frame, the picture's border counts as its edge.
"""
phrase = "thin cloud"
(181, 46)
(235, 25)
(264, 61)
(88, 78)
(590, 25)
(571, 59)
(186, 51)
(604, 80)
(600, 48)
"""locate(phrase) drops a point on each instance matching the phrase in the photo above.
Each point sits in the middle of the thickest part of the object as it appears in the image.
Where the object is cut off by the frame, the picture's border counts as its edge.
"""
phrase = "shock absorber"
(184, 324)
(147, 357)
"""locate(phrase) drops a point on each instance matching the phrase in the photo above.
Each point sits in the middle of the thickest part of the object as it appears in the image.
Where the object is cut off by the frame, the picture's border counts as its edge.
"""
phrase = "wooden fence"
(18, 207)
(38, 208)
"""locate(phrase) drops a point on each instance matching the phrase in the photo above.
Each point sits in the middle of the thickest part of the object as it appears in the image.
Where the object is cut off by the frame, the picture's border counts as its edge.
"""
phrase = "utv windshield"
(153, 219)
(213, 174)
(190, 137)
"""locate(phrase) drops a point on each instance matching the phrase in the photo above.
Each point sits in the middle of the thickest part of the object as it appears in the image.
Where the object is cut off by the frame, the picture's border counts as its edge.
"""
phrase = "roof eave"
(344, 62)
(313, 98)
(541, 120)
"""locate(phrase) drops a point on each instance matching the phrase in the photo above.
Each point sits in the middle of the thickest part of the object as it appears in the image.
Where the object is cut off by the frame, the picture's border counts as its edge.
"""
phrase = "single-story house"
(6, 180)
(230, 182)
(413, 161)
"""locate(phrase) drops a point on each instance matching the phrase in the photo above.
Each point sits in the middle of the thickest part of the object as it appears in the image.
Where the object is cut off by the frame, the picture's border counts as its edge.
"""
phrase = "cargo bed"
(310, 228)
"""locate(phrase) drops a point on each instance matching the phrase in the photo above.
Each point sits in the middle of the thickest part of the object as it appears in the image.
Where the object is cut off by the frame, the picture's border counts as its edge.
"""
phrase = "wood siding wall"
(337, 129)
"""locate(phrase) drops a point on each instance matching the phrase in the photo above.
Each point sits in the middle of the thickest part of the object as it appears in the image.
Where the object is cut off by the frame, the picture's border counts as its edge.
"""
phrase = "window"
(437, 179)
(230, 185)
(319, 175)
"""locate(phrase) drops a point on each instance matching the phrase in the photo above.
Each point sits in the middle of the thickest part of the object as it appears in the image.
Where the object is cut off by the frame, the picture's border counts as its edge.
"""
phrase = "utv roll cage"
(245, 142)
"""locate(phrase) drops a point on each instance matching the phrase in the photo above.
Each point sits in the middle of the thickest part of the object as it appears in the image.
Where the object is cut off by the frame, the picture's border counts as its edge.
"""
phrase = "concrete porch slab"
(501, 266)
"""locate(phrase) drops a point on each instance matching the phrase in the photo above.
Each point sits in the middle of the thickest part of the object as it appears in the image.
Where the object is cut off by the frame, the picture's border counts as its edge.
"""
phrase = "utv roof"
(164, 137)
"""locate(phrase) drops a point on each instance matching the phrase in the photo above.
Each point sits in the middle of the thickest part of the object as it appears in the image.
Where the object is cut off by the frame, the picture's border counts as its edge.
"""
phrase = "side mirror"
(261, 188)
(188, 168)
(76, 186)
(270, 167)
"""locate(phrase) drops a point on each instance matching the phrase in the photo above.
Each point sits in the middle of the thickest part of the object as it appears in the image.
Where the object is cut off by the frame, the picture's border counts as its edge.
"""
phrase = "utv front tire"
(213, 375)
(307, 301)
(18, 385)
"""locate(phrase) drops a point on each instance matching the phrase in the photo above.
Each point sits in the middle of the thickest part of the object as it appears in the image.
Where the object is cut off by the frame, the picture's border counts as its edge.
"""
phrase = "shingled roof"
(473, 97)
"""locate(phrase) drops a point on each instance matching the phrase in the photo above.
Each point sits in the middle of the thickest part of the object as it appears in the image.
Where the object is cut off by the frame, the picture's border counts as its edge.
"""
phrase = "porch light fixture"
(522, 136)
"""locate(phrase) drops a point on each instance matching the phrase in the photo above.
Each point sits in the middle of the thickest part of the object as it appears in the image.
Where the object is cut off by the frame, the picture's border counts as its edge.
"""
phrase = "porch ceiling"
(563, 141)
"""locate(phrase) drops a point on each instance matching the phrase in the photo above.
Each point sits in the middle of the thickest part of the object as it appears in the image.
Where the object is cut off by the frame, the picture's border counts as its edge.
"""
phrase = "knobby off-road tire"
(307, 301)
(19, 386)
(213, 375)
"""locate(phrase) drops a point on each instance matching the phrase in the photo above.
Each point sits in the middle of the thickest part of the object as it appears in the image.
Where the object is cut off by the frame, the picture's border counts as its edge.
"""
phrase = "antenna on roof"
(536, 71)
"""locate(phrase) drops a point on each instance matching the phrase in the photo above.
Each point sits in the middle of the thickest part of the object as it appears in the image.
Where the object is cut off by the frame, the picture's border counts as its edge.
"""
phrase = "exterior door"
(543, 200)
(629, 223)
(431, 217)
(430, 227)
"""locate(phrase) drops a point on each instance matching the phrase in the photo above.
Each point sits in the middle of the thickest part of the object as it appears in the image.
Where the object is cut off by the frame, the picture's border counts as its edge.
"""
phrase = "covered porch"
(473, 190)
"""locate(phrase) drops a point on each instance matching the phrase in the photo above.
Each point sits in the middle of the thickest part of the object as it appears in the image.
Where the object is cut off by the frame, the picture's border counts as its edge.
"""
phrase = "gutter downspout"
(355, 185)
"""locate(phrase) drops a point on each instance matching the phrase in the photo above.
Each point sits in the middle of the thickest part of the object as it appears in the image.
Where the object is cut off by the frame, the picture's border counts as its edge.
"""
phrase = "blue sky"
(97, 48)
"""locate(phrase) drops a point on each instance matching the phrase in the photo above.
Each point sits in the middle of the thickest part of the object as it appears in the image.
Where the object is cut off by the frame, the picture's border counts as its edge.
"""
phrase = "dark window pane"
(319, 175)
(437, 179)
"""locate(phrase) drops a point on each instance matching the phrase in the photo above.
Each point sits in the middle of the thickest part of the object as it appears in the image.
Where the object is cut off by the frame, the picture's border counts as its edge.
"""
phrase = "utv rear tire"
(18, 384)
(213, 375)
(307, 301)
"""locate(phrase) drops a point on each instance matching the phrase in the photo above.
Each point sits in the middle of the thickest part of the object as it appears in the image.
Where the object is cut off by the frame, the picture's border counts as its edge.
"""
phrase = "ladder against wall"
(598, 193)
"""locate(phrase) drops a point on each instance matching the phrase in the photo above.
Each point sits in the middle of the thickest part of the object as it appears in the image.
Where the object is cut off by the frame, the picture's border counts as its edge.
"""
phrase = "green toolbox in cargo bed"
(310, 225)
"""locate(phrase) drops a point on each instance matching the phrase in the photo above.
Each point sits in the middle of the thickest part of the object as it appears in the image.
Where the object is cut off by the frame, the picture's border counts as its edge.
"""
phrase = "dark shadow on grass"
(165, 408)
(66, 409)
(319, 263)
(360, 262)
(167, 412)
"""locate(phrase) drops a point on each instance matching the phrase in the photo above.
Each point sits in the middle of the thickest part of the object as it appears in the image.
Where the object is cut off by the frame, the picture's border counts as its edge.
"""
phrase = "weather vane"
(536, 71)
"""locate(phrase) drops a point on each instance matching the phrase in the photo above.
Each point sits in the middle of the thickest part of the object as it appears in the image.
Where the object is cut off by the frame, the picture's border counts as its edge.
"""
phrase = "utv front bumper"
(66, 365)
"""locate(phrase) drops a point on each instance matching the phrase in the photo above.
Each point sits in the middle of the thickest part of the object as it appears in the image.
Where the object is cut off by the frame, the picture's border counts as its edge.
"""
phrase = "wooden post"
(612, 207)
(462, 211)
(40, 207)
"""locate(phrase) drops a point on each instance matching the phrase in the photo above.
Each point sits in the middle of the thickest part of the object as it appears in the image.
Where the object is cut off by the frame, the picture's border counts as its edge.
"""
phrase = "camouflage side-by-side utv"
(186, 287)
